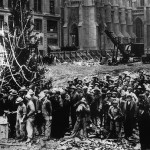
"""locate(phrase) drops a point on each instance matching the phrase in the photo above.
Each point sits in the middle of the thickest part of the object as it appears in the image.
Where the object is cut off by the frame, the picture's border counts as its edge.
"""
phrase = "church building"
(84, 23)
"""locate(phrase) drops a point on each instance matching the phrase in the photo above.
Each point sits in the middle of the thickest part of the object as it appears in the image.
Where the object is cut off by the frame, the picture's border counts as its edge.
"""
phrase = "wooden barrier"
(70, 56)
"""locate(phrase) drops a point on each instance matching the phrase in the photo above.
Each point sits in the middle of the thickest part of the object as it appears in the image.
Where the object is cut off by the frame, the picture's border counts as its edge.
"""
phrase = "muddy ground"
(60, 74)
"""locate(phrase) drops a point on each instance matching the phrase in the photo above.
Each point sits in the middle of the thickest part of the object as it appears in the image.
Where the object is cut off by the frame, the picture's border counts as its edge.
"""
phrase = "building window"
(9, 3)
(37, 6)
(139, 30)
(1, 21)
(141, 2)
(130, 3)
(27, 5)
(41, 52)
(51, 26)
(10, 23)
(40, 40)
(38, 25)
(52, 42)
(52, 6)
(1, 3)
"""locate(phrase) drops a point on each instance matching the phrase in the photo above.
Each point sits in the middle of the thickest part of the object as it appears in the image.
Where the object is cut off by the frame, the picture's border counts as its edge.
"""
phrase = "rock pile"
(96, 144)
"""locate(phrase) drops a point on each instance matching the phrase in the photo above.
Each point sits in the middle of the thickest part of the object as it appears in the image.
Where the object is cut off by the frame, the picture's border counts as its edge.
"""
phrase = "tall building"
(141, 21)
(46, 16)
(86, 20)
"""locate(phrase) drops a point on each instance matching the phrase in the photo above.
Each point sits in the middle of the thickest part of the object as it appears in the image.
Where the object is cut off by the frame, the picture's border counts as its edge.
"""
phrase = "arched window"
(130, 3)
(141, 2)
(139, 30)
(74, 34)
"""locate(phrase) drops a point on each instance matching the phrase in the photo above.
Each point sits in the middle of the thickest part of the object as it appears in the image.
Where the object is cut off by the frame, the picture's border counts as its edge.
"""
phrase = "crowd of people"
(119, 104)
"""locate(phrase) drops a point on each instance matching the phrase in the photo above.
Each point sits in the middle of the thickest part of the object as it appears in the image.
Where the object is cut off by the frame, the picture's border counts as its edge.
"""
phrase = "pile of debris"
(87, 63)
(96, 144)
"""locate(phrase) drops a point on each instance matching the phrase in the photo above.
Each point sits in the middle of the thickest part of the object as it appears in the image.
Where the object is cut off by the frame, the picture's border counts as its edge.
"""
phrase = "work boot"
(28, 140)
(46, 139)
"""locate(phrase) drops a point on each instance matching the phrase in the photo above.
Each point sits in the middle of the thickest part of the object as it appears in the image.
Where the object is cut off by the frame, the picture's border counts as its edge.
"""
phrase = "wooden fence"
(70, 56)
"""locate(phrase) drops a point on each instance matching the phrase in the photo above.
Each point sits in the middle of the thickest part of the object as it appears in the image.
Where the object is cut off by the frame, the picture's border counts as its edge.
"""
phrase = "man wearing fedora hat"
(12, 109)
(30, 118)
(115, 114)
(106, 104)
(20, 122)
(22, 92)
(96, 106)
(74, 98)
(130, 114)
(82, 112)
(46, 110)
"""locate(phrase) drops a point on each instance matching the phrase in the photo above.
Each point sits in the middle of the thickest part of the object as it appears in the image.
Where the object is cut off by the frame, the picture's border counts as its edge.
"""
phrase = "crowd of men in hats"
(119, 104)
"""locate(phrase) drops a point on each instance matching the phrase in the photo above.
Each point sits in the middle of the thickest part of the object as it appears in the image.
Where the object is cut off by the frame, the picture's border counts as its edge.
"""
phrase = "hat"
(96, 83)
(96, 89)
(126, 73)
(139, 87)
(108, 76)
(70, 82)
(28, 96)
(83, 100)
(58, 92)
(53, 91)
(141, 95)
(46, 91)
(13, 92)
(85, 88)
(129, 96)
(128, 76)
(30, 92)
(79, 88)
(95, 77)
(114, 92)
(75, 78)
(90, 85)
(23, 89)
(62, 91)
(115, 101)
(79, 80)
(73, 87)
(111, 85)
(108, 92)
(19, 100)
(129, 88)
(41, 95)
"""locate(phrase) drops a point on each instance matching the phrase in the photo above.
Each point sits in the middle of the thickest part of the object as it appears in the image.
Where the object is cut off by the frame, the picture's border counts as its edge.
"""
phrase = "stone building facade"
(46, 19)
(141, 22)
(85, 21)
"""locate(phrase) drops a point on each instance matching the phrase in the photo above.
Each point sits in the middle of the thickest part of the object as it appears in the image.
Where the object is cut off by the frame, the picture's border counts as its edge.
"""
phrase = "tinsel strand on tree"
(21, 46)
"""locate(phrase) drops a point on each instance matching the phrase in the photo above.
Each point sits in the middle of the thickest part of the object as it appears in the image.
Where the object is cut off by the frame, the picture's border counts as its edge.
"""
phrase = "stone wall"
(94, 17)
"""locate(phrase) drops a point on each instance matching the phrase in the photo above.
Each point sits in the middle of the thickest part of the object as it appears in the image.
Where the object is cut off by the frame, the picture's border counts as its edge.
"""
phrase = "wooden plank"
(84, 55)
(73, 56)
(90, 55)
(61, 56)
(79, 56)
(69, 58)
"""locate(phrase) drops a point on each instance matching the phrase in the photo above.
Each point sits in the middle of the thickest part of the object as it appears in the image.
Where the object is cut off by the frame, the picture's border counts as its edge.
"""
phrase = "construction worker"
(82, 112)
(30, 118)
(46, 112)
(115, 114)
(20, 122)
(11, 112)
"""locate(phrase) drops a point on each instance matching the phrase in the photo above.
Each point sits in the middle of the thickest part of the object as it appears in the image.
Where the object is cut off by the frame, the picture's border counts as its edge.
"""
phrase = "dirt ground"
(60, 74)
